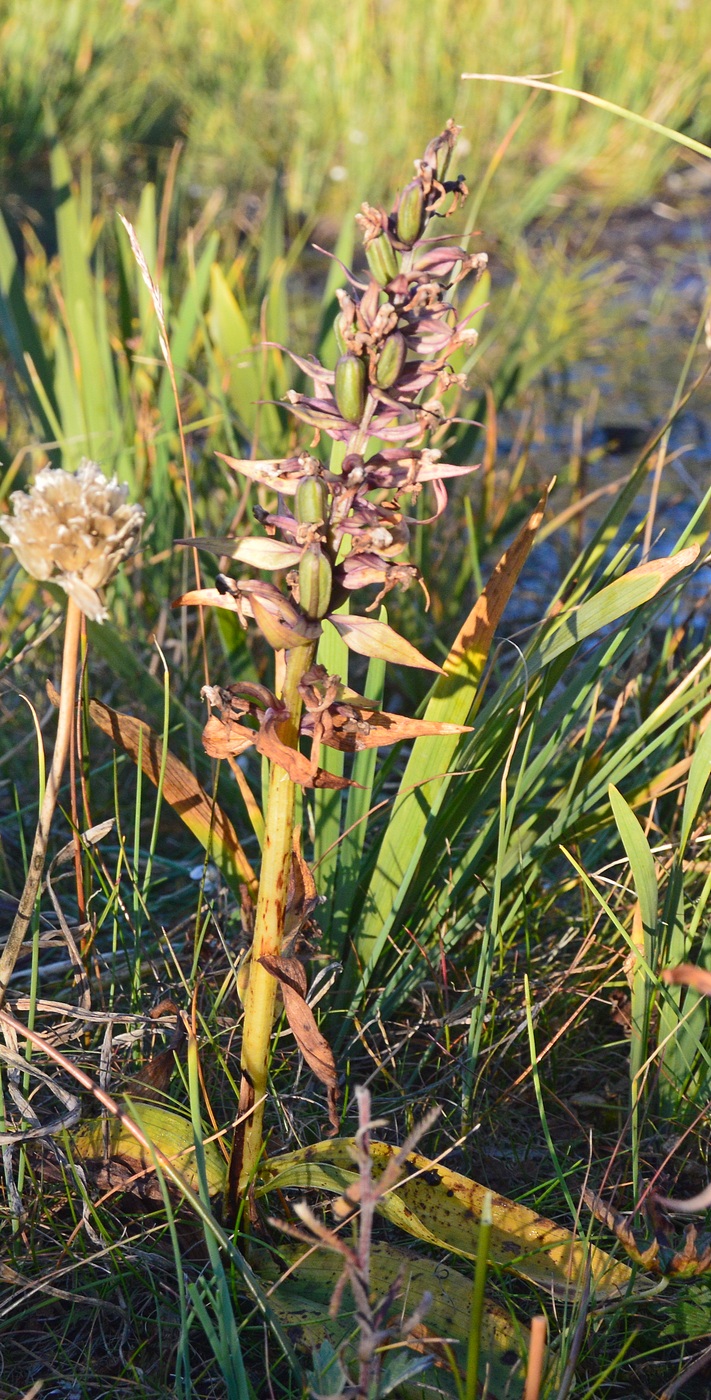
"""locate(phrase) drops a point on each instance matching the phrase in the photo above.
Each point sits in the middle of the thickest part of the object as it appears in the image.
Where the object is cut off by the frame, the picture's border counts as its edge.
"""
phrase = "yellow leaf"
(172, 1135)
(443, 1208)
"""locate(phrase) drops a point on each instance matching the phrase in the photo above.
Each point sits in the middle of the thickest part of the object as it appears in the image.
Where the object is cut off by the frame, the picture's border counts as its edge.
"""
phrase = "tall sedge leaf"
(182, 330)
(147, 234)
(644, 927)
(79, 309)
(699, 774)
(640, 857)
(427, 773)
(328, 804)
(240, 360)
(203, 817)
(358, 804)
(682, 1014)
(472, 802)
(73, 430)
(185, 325)
(623, 595)
(19, 331)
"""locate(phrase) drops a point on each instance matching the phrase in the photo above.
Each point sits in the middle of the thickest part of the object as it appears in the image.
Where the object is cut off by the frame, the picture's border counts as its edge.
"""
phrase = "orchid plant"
(334, 530)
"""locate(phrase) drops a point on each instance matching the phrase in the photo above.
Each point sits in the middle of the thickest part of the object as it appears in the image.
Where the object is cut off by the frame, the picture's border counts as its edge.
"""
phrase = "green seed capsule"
(315, 582)
(382, 259)
(340, 342)
(410, 213)
(392, 359)
(311, 505)
(350, 387)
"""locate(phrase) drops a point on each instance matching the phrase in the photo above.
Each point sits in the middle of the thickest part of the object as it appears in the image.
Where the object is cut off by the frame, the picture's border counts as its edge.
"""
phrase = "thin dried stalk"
(536, 1358)
(26, 906)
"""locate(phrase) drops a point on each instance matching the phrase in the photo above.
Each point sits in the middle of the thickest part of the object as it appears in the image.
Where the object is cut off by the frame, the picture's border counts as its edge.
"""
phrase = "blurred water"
(592, 420)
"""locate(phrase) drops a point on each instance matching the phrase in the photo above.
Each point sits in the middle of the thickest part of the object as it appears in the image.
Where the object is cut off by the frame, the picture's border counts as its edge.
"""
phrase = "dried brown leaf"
(301, 770)
(315, 1049)
(687, 975)
(224, 738)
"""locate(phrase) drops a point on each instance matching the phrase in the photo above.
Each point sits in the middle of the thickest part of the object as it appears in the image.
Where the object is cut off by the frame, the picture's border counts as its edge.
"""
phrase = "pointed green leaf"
(623, 595)
(302, 1301)
(232, 338)
(640, 857)
(172, 1134)
(698, 777)
(328, 803)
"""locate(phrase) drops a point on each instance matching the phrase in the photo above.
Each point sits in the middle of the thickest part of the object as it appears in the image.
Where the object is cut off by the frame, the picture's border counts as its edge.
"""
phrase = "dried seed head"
(439, 151)
(74, 528)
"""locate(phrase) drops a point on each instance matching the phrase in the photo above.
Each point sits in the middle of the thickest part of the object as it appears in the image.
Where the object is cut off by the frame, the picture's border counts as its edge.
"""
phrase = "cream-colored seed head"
(74, 528)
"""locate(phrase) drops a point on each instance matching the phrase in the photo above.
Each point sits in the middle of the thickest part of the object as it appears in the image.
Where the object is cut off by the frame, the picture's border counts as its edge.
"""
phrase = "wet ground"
(589, 422)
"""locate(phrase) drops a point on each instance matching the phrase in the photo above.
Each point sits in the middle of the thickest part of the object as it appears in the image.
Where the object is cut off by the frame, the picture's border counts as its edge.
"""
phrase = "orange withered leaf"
(291, 976)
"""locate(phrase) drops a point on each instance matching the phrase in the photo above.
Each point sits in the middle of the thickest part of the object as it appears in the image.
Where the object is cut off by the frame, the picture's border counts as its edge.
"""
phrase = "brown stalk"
(536, 1358)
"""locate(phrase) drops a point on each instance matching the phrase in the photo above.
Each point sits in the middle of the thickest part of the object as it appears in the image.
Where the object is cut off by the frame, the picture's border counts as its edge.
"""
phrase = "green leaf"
(640, 857)
(240, 358)
(20, 332)
(172, 1134)
(302, 1301)
(355, 826)
(698, 777)
(645, 879)
(328, 804)
(634, 588)
(182, 330)
(427, 774)
(98, 396)
(328, 1377)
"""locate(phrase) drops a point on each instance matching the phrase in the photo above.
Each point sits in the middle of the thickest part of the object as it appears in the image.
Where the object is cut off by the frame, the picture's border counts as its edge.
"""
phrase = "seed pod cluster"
(315, 572)
(333, 531)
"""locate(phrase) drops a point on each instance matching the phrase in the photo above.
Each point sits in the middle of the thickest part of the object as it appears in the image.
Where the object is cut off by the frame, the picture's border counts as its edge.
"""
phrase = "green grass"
(351, 91)
(488, 976)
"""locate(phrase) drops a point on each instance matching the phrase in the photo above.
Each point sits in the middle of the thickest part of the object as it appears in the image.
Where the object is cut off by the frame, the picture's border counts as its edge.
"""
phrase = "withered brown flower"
(74, 528)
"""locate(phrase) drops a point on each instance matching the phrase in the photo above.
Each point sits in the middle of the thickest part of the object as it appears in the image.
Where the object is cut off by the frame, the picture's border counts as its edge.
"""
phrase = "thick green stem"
(65, 721)
(260, 997)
